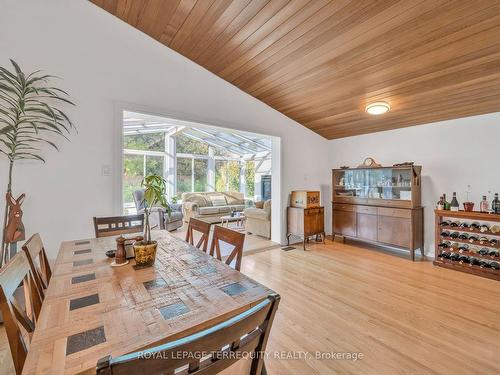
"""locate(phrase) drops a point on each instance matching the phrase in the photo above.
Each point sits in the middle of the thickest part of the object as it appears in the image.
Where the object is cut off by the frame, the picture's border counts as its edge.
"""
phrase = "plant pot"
(145, 253)
(468, 206)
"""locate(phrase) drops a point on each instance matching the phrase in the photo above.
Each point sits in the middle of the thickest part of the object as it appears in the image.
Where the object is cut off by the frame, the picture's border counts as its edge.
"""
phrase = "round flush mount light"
(378, 108)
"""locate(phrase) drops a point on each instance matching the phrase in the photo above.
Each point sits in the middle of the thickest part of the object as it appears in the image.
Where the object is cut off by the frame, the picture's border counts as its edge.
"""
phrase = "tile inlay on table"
(234, 289)
(159, 282)
(83, 278)
(173, 310)
(78, 252)
(85, 340)
(83, 262)
(84, 242)
(78, 303)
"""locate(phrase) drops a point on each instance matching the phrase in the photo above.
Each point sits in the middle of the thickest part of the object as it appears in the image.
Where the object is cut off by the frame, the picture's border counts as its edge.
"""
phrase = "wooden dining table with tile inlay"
(92, 310)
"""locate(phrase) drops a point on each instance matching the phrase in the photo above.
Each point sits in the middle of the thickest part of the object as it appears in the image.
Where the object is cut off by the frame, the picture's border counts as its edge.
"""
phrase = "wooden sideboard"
(305, 222)
(398, 227)
(380, 205)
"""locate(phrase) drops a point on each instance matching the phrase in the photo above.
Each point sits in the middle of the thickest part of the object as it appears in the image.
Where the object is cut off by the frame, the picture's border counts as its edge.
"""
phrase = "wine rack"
(462, 254)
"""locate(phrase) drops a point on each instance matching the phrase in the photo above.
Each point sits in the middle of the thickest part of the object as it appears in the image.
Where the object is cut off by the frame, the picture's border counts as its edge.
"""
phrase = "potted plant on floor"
(154, 196)
(30, 115)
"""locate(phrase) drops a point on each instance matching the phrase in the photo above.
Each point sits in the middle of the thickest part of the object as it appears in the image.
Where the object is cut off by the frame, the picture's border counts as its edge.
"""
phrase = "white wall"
(104, 61)
(453, 154)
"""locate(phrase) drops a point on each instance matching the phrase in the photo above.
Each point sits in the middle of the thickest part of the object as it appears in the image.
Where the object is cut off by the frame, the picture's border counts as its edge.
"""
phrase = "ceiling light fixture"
(378, 108)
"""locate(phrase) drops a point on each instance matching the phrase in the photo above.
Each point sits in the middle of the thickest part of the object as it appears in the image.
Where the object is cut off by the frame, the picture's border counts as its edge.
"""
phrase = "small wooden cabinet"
(379, 205)
(305, 222)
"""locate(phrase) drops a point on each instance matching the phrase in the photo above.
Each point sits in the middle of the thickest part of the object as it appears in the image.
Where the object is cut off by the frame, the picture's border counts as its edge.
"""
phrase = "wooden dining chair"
(230, 237)
(14, 273)
(39, 263)
(116, 225)
(199, 226)
(210, 351)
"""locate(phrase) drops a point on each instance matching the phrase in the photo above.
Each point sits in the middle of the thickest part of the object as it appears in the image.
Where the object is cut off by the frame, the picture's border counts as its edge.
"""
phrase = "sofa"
(158, 217)
(211, 206)
(258, 219)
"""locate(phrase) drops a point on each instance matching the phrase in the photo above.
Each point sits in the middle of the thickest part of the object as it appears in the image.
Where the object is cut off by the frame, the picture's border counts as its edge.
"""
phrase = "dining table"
(92, 310)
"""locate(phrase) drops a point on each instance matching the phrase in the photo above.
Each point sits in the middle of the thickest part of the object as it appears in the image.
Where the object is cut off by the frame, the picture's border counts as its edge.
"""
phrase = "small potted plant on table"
(154, 196)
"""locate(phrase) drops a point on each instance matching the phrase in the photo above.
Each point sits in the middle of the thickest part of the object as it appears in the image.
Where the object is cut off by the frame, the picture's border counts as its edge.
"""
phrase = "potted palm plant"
(30, 115)
(154, 196)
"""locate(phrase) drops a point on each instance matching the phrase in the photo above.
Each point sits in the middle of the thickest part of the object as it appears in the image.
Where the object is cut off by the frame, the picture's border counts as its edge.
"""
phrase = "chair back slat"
(230, 237)
(199, 226)
(207, 352)
(39, 262)
(116, 225)
(14, 273)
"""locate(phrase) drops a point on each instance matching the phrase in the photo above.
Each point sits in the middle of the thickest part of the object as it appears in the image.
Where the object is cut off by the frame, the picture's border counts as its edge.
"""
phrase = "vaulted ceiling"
(321, 62)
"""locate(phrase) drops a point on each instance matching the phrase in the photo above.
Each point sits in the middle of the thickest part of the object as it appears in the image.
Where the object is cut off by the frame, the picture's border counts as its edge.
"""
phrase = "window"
(133, 173)
(184, 175)
(200, 174)
(187, 145)
(233, 175)
(145, 142)
(250, 178)
(227, 175)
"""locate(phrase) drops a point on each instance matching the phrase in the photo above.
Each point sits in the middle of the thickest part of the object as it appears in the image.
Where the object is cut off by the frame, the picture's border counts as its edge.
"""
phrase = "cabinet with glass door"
(378, 186)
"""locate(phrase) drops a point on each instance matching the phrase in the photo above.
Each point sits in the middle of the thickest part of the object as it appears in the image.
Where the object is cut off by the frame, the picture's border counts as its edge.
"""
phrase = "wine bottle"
(454, 256)
(483, 251)
(495, 265)
(454, 206)
(444, 245)
(463, 236)
(484, 228)
(440, 203)
(495, 205)
(484, 263)
(493, 242)
(446, 203)
(454, 235)
(472, 238)
(463, 247)
(474, 261)
(484, 206)
(445, 234)
(493, 253)
(483, 239)
(475, 226)
(464, 225)
(445, 223)
(464, 259)
(455, 224)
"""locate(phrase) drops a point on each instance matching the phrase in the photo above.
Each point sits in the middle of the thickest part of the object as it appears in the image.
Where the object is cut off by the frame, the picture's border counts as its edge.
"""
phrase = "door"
(394, 231)
(367, 226)
(344, 222)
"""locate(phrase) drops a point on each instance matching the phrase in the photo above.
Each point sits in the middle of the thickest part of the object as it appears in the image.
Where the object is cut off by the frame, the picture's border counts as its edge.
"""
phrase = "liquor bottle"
(446, 203)
(454, 203)
(495, 205)
(484, 206)
(440, 203)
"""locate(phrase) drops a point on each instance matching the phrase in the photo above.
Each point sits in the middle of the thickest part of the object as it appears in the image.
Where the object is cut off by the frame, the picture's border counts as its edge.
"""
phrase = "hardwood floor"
(403, 316)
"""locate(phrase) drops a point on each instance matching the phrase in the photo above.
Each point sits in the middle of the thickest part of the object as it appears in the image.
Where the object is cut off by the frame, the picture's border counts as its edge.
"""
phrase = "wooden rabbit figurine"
(14, 231)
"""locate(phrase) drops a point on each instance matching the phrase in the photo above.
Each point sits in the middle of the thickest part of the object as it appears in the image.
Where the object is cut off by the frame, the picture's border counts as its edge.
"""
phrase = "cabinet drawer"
(394, 212)
(366, 210)
(344, 207)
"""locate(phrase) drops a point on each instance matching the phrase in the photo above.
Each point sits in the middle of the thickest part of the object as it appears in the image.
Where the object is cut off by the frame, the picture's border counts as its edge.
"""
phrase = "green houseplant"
(29, 117)
(154, 196)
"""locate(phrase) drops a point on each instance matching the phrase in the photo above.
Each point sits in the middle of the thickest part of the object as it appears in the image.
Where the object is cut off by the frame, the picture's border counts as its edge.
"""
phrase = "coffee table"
(240, 220)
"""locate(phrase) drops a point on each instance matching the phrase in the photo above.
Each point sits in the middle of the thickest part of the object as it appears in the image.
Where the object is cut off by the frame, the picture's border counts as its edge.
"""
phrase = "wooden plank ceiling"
(320, 62)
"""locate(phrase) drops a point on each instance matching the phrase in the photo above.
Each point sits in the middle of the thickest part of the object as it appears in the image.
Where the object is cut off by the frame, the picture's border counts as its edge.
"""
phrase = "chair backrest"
(14, 273)
(199, 226)
(39, 263)
(115, 225)
(230, 237)
(207, 352)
